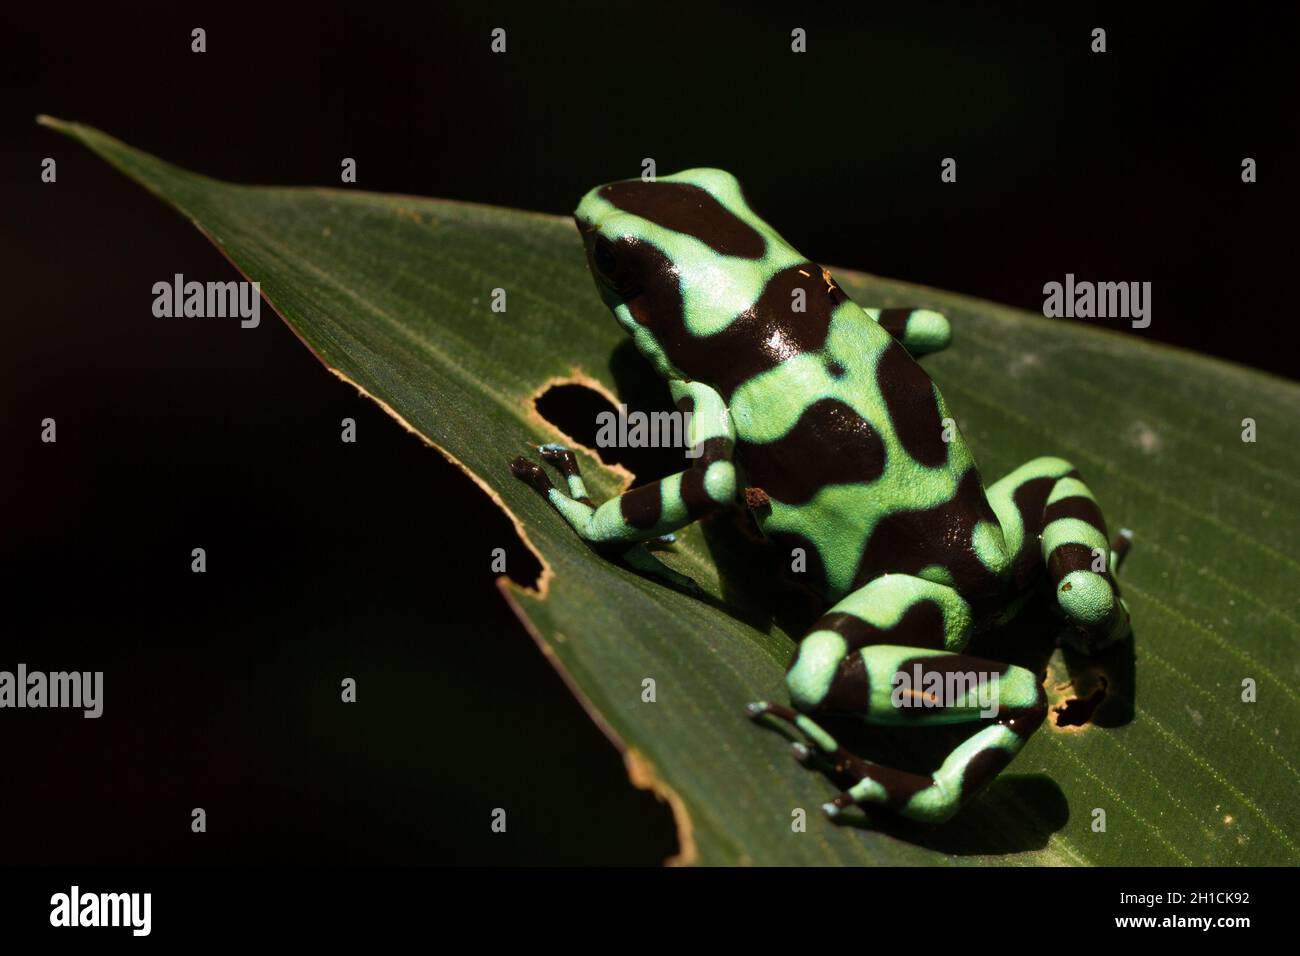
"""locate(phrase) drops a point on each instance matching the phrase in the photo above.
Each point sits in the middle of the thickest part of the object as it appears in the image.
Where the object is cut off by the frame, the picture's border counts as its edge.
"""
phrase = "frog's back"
(846, 440)
(837, 426)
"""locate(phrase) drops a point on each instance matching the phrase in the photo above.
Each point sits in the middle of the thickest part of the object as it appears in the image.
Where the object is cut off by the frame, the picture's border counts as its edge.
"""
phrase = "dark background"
(328, 560)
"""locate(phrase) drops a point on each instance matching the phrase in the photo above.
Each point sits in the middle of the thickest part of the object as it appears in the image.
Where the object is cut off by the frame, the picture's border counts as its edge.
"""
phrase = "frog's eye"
(603, 257)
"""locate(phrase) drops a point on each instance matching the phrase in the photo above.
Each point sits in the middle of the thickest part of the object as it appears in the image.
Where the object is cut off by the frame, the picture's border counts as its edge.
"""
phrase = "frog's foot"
(824, 753)
(1050, 519)
(566, 463)
(928, 798)
(806, 754)
(819, 741)
(531, 472)
(604, 526)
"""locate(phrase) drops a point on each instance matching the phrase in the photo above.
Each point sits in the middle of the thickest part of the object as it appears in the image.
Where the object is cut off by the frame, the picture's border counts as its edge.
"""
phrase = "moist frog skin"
(813, 412)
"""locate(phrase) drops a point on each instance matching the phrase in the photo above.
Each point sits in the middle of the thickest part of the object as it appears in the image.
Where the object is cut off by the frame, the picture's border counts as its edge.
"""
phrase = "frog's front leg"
(920, 331)
(653, 510)
(1050, 518)
(879, 655)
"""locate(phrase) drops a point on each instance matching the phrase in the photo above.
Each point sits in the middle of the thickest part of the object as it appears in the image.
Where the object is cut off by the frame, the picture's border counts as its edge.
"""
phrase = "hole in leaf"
(576, 409)
(1079, 710)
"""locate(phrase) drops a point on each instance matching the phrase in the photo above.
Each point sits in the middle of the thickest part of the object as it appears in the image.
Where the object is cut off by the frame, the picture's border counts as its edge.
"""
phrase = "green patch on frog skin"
(990, 548)
(834, 519)
(938, 574)
(1086, 596)
(1072, 530)
(814, 667)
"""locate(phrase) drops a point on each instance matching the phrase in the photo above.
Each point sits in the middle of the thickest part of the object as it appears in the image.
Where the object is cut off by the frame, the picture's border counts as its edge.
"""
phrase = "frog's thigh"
(660, 507)
(920, 331)
(886, 654)
(829, 671)
(1050, 518)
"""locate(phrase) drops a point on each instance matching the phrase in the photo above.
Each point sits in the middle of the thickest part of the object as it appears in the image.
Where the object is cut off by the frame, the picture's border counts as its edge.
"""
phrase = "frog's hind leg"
(886, 653)
(929, 798)
(920, 331)
(1051, 519)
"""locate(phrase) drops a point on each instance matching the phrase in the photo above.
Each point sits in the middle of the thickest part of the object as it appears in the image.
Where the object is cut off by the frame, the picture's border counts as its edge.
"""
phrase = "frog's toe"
(531, 472)
(566, 463)
(1119, 547)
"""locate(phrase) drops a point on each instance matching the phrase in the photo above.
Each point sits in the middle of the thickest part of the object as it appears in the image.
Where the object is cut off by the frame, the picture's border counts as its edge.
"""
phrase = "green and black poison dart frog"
(814, 413)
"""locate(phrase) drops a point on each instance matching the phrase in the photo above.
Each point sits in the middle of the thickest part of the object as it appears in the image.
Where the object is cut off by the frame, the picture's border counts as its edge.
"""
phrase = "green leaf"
(392, 293)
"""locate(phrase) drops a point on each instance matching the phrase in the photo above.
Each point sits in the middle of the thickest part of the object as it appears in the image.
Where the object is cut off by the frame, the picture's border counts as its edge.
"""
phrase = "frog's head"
(659, 247)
